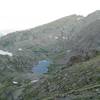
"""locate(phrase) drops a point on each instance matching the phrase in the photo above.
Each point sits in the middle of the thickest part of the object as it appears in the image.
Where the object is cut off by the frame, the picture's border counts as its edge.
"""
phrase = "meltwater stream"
(41, 67)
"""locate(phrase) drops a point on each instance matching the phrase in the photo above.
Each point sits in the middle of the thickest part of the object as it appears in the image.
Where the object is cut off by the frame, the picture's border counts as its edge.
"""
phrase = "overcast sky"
(24, 14)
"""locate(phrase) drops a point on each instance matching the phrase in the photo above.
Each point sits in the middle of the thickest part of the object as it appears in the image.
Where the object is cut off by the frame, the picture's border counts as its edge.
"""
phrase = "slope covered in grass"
(80, 81)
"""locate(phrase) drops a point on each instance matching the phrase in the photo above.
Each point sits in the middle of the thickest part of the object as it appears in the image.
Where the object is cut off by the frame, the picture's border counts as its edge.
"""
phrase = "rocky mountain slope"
(43, 35)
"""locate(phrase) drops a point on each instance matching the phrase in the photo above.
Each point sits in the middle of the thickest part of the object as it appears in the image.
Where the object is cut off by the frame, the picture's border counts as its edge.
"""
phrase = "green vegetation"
(79, 82)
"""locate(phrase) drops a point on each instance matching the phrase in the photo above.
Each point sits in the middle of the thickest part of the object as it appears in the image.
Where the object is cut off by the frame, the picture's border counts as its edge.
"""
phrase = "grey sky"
(24, 14)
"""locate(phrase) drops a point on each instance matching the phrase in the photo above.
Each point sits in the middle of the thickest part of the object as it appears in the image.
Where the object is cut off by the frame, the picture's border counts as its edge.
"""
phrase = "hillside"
(77, 82)
(40, 36)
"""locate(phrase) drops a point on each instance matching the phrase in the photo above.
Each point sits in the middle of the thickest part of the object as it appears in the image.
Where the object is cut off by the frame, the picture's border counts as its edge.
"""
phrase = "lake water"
(41, 67)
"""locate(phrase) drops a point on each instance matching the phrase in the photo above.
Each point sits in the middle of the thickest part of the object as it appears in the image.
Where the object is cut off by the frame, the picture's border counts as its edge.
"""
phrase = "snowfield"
(5, 53)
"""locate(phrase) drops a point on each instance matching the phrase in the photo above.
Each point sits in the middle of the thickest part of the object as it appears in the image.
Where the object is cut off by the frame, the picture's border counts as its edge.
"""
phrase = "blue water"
(41, 67)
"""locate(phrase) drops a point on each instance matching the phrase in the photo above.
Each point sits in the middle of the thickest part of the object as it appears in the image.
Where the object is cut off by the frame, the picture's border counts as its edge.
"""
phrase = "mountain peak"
(95, 14)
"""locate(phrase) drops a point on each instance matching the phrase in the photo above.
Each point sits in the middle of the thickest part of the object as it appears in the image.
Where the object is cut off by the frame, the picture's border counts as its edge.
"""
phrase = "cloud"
(23, 14)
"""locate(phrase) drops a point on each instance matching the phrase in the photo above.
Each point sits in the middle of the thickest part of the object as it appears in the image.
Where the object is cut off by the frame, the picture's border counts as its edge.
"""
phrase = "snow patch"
(56, 37)
(5, 53)
(65, 38)
(68, 51)
(34, 81)
(20, 49)
(14, 82)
